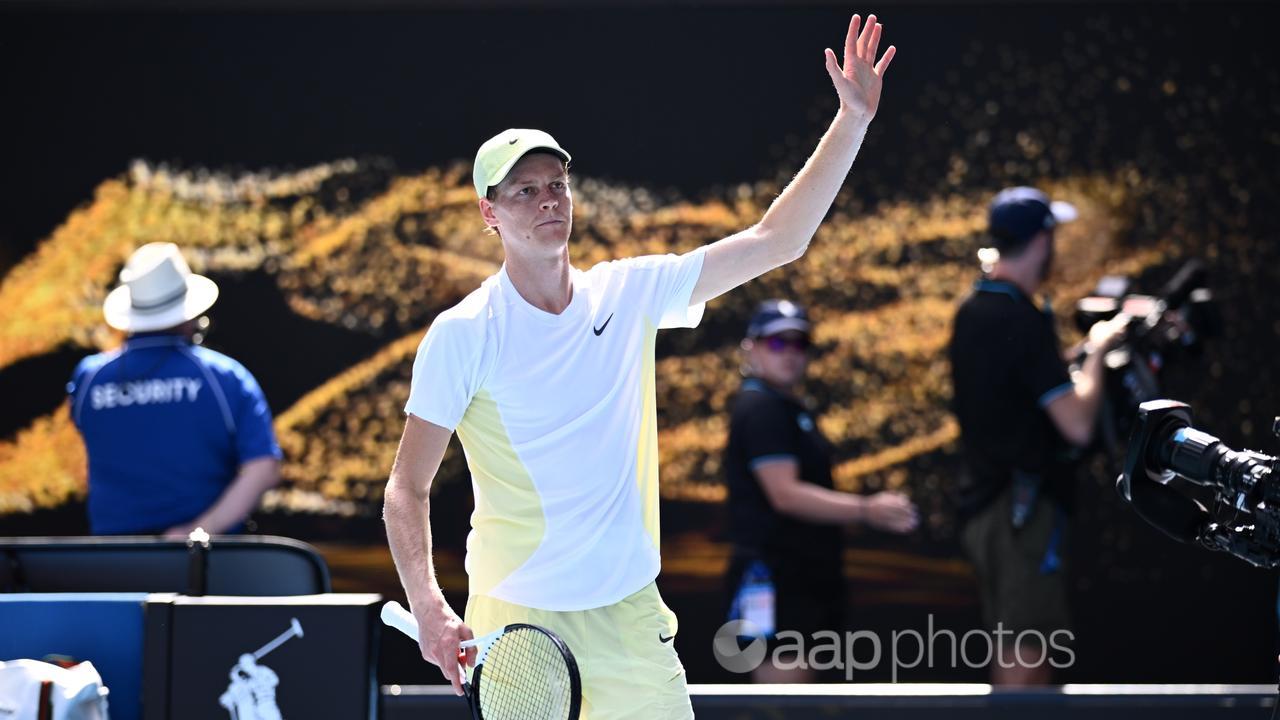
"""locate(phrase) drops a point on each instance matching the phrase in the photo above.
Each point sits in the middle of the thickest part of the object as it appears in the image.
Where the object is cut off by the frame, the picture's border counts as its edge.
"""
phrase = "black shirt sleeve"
(1043, 372)
(764, 429)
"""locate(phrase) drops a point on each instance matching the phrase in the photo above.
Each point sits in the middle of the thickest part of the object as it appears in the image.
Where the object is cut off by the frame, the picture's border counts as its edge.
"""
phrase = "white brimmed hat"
(157, 291)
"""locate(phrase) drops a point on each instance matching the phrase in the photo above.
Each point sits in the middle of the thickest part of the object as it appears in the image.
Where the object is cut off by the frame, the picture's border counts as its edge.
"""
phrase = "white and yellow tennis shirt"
(557, 418)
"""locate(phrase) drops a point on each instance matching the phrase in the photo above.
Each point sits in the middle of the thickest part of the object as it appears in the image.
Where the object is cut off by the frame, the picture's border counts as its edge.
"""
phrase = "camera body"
(1160, 327)
(1243, 514)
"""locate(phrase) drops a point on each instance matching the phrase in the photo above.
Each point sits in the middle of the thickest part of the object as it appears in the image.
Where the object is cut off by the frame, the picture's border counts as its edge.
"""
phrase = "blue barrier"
(103, 628)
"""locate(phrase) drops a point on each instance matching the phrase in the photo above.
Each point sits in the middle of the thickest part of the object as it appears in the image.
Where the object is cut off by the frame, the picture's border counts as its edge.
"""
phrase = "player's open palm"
(859, 79)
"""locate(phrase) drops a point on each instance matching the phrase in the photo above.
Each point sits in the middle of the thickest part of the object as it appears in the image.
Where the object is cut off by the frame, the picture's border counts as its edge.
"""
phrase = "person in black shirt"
(1019, 412)
(786, 570)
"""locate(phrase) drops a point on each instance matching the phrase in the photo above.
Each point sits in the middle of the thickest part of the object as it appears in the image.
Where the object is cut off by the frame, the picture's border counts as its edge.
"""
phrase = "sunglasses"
(778, 343)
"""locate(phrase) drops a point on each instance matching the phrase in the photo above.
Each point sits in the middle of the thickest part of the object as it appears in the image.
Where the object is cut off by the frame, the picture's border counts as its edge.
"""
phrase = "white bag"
(75, 693)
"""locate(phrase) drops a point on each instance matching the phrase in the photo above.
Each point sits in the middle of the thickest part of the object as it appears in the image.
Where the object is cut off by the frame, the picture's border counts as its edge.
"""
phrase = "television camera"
(1160, 326)
(1243, 514)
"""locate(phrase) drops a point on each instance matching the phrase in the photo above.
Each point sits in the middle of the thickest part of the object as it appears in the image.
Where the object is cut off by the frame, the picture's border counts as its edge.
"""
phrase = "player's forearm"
(407, 517)
(238, 500)
(794, 217)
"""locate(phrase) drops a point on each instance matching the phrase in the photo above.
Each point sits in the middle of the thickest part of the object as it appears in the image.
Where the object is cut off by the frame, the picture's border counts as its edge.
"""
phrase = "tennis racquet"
(522, 672)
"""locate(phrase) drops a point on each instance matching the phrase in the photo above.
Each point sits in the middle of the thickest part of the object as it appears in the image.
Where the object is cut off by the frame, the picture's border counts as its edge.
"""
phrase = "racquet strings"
(524, 677)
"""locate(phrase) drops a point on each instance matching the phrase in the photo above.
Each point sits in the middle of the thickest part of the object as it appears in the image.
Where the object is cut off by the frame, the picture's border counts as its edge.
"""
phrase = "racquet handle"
(394, 614)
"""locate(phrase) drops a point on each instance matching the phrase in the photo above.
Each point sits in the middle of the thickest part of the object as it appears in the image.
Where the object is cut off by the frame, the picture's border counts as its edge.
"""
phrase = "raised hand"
(858, 81)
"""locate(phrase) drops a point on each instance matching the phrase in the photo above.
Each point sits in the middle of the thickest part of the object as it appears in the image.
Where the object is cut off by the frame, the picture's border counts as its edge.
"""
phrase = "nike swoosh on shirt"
(600, 329)
(666, 639)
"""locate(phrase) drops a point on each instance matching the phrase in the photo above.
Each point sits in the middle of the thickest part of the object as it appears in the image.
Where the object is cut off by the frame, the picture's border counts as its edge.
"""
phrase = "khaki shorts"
(1013, 590)
(625, 652)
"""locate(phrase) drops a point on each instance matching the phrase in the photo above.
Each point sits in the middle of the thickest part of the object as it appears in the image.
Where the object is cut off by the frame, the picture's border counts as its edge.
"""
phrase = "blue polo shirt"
(167, 425)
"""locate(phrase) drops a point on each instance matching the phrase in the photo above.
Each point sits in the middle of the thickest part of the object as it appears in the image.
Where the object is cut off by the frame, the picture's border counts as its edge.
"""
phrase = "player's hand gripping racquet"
(522, 672)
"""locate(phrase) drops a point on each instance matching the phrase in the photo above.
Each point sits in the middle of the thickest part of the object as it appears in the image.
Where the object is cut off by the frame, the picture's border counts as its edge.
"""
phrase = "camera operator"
(1019, 410)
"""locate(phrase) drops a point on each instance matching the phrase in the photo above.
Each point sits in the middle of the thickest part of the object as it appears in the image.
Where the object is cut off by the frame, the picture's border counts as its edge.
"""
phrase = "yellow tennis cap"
(501, 152)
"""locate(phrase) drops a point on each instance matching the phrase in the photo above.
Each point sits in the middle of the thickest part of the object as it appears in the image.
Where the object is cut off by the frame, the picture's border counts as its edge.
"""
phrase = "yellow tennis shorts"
(625, 652)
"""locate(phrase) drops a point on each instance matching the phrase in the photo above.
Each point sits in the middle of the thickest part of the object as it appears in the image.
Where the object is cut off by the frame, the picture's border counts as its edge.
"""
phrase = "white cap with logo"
(501, 152)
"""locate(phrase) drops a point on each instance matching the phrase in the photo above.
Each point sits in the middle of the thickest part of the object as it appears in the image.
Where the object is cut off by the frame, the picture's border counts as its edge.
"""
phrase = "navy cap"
(1018, 213)
(775, 316)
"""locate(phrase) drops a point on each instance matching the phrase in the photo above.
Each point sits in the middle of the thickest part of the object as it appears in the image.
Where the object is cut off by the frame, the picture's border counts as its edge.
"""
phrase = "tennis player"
(546, 373)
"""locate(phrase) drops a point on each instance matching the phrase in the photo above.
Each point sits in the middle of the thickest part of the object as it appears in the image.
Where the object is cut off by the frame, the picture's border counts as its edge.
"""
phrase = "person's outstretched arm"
(790, 222)
(787, 494)
(1075, 412)
(406, 511)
